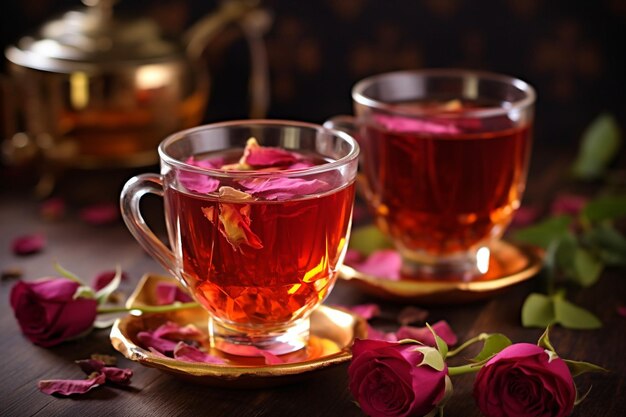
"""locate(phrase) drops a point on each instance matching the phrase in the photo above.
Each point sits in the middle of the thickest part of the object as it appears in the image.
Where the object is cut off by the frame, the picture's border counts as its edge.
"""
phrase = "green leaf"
(368, 239)
(493, 344)
(83, 291)
(442, 346)
(587, 266)
(542, 234)
(578, 368)
(538, 311)
(572, 316)
(605, 208)
(599, 145)
(608, 243)
(432, 357)
(564, 253)
(544, 340)
(103, 294)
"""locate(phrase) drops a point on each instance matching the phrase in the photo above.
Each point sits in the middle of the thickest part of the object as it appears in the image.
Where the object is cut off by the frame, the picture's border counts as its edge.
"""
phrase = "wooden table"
(88, 250)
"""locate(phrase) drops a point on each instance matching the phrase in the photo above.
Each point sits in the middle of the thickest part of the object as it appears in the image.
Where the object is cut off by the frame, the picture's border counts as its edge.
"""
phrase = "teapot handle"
(254, 23)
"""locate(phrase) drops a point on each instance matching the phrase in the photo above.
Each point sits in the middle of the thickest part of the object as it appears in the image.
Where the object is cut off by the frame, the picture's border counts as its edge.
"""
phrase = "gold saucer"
(332, 333)
(509, 264)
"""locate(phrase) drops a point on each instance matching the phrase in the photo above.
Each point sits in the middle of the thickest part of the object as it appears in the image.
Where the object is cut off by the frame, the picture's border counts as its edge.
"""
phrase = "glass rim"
(359, 96)
(217, 172)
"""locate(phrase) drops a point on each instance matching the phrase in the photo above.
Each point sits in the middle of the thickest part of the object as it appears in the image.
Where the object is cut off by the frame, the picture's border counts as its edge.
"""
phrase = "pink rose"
(47, 312)
(389, 379)
(525, 380)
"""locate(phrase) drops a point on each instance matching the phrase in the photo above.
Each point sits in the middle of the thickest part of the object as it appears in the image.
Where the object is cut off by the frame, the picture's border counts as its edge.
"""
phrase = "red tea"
(442, 185)
(255, 262)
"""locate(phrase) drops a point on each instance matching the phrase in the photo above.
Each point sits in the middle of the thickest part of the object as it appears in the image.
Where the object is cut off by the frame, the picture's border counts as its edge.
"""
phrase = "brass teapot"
(92, 90)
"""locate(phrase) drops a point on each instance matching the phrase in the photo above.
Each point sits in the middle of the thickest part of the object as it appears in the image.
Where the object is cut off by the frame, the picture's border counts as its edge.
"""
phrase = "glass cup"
(444, 157)
(259, 249)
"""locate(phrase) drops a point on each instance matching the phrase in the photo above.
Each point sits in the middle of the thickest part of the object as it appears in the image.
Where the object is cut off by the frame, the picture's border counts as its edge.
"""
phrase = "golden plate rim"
(407, 290)
(214, 373)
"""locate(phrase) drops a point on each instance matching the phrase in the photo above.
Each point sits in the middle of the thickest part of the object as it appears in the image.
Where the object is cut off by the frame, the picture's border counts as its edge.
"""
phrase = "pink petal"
(116, 375)
(424, 335)
(28, 244)
(214, 163)
(234, 222)
(188, 353)
(301, 165)
(375, 334)
(412, 314)
(525, 216)
(167, 293)
(264, 157)
(157, 353)
(366, 311)
(200, 183)
(149, 341)
(249, 350)
(384, 263)
(173, 331)
(70, 386)
(353, 257)
(406, 124)
(52, 208)
(568, 204)
(621, 310)
(104, 278)
(100, 214)
(90, 366)
(283, 188)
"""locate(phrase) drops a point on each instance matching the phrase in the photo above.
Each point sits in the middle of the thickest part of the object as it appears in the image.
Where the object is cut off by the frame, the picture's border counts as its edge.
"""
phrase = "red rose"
(390, 379)
(525, 380)
(47, 311)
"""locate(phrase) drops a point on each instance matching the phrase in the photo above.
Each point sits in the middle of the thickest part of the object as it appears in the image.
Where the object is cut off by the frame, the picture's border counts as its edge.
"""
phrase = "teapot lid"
(93, 38)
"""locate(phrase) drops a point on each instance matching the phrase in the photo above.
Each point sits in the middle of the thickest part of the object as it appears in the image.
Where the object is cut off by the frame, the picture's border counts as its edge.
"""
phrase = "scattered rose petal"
(157, 353)
(384, 263)
(71, 386)
(173, 331)
(406, 124)
(410, 315)
(188, 353)
(90, 366)
(100, 214)
(150, 341)
(525, 216)
(568, 204)
(104, 358)
(375, 334)
(283, 188)
(104, 278)
(166, 293)
(352, 257)
(424, 335)
(116, 375)
(52, 208)
(621, 310)
(366, 311)
(28, 244)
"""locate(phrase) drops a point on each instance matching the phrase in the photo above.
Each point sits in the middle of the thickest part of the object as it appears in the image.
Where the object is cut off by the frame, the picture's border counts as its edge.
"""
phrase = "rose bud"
(47, 311)
(525, 380)
(394, 379)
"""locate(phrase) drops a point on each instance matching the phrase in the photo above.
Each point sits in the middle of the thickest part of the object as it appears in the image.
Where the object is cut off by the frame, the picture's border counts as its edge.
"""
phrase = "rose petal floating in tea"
(283, 188)
(233, 220)
(188, 353)
(256, 156)
(194, 181)
(104, 278)
(28, 244)
(424, 334)
(67, 387)
(100, 214)
(406, 124)
(166, 293)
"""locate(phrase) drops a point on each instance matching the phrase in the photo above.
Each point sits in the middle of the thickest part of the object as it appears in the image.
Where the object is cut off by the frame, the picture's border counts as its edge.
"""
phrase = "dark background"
(571, 51)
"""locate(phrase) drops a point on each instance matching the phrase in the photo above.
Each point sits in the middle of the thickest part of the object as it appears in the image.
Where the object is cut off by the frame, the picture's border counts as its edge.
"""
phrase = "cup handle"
(130, 197)
(342, 122)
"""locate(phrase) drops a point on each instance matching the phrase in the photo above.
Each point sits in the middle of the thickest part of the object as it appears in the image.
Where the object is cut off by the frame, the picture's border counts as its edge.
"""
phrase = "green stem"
(467, 344)
(148, 309)
(464, 369)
